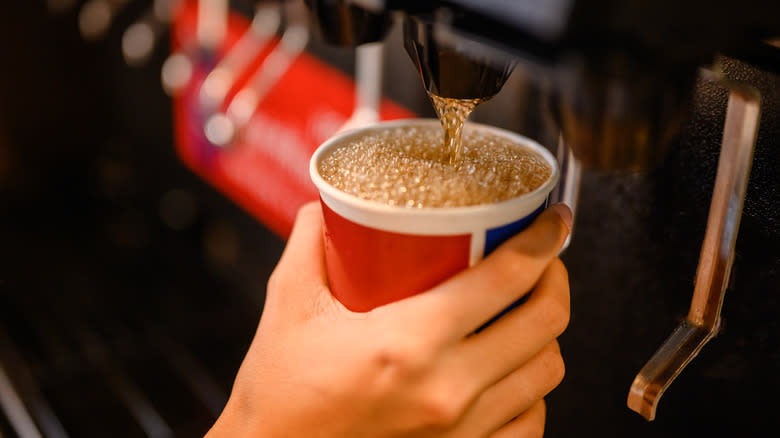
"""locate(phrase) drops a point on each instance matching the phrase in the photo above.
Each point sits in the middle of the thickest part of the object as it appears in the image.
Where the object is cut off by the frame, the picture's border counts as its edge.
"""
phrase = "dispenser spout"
(447, 71)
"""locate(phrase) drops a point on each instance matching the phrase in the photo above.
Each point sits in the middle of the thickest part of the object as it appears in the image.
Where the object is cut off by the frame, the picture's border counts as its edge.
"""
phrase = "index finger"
(472, 297)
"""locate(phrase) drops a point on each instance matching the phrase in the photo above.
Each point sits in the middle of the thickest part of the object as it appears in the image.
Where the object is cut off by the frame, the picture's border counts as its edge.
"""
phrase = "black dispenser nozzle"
(447, 71)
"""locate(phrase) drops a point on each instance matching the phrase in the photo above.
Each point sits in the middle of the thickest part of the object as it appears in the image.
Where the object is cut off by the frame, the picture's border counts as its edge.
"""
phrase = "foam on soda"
(406, 166)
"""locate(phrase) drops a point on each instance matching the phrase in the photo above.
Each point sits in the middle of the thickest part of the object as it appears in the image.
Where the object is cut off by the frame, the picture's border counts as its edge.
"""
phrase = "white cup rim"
(428, 220)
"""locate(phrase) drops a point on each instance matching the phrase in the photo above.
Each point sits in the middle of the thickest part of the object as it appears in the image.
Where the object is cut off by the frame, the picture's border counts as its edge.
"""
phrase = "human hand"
(412, 368)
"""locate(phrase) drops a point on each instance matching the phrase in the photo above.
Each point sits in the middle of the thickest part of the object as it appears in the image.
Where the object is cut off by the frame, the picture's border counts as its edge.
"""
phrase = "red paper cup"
(376, 253)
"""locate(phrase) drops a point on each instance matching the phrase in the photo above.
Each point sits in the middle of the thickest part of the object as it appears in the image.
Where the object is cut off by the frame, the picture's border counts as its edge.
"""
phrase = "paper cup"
(376, 253)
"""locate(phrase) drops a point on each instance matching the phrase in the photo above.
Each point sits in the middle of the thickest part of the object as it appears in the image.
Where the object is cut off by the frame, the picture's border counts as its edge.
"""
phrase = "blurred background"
(130, 287)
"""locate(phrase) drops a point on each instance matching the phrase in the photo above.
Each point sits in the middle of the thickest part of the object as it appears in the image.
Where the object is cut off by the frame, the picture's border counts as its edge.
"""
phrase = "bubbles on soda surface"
(403, 166)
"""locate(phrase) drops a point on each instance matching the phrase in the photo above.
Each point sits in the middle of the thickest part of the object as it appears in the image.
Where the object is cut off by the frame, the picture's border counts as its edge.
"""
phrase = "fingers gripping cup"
(390, 234)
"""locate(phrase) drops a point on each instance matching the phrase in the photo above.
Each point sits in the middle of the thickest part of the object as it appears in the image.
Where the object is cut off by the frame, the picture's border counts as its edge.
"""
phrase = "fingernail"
(564, 212)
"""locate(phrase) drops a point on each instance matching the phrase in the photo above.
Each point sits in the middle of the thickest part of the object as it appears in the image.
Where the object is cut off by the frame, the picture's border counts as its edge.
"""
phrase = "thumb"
(301, 270)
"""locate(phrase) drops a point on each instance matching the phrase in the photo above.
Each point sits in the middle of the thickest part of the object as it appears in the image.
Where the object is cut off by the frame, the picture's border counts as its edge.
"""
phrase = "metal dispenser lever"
(221, 129)
(222, 78)
(568, 189)
(717, 254)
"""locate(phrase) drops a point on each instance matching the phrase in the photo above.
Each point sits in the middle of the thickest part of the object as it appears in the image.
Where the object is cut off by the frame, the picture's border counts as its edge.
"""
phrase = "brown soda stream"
(453, 114)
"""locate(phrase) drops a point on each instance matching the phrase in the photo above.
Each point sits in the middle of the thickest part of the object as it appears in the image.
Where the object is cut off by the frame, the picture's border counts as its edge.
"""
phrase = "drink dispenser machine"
(623, 80)
(665, 117)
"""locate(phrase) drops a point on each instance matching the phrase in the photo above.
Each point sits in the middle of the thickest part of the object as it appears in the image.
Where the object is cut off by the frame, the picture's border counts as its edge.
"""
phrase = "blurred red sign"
(265, 170)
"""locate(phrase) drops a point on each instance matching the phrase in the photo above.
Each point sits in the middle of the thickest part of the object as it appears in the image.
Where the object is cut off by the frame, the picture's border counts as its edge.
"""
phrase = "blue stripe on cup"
(496, 236)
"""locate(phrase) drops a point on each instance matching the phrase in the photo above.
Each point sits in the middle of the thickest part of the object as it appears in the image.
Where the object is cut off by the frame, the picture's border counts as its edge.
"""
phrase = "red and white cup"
(376, 253)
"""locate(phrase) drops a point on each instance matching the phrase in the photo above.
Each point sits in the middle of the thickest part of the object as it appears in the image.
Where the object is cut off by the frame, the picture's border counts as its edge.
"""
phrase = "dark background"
(119, 319)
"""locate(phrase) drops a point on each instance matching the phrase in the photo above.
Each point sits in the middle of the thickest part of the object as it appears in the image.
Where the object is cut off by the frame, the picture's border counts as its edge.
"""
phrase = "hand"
(412, 368)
